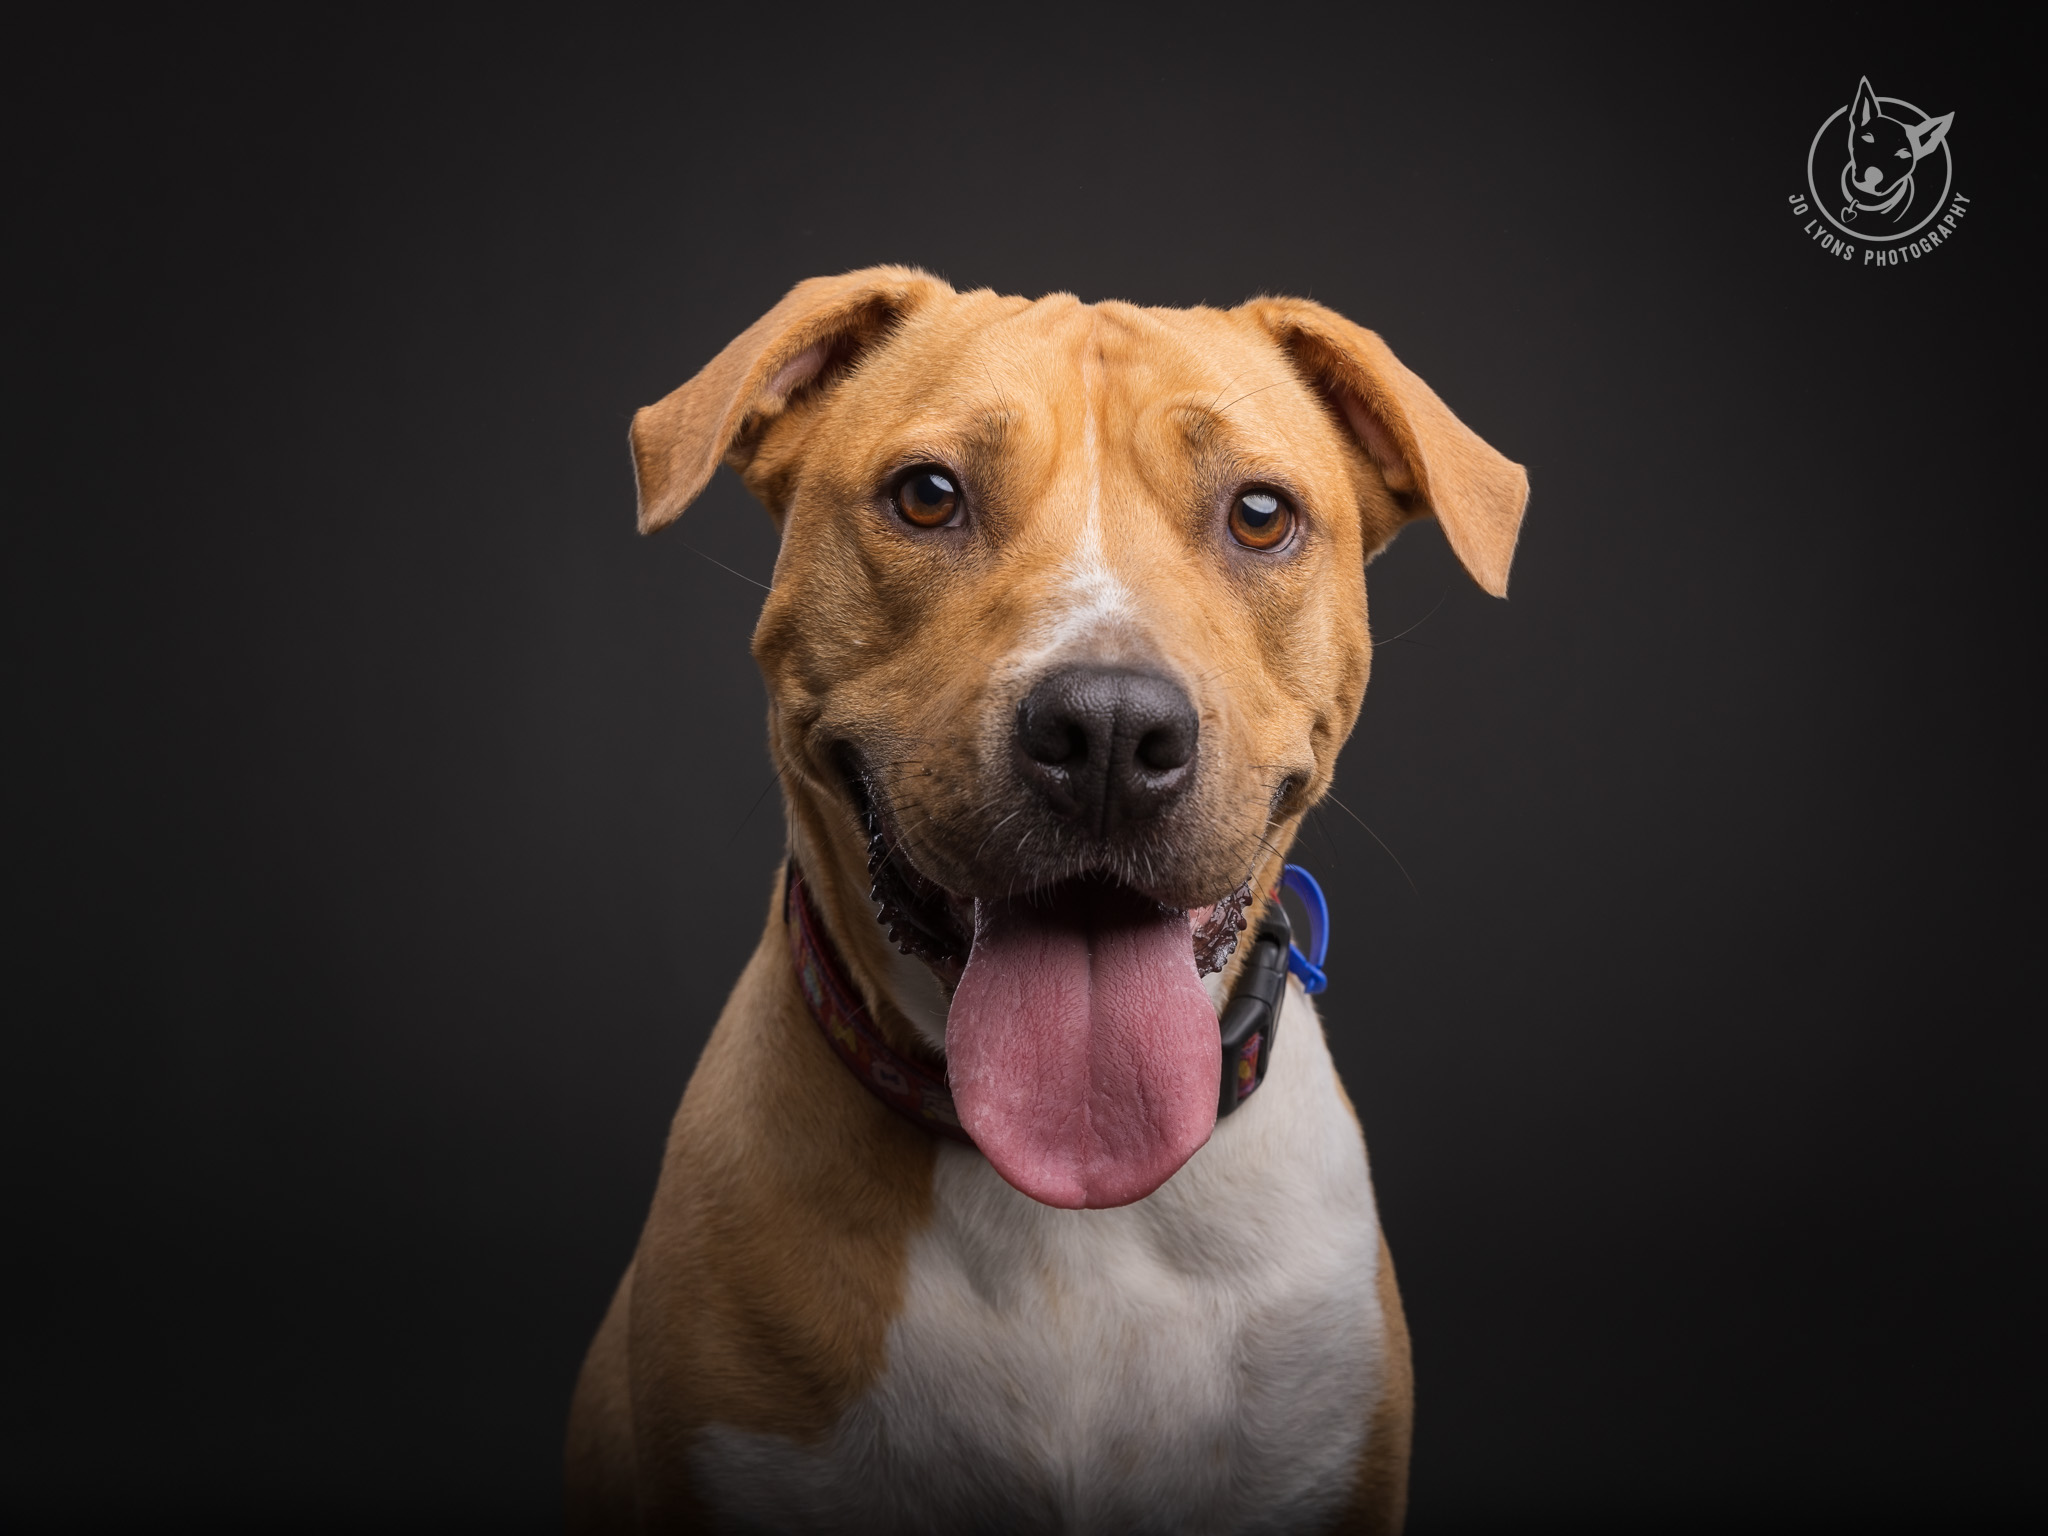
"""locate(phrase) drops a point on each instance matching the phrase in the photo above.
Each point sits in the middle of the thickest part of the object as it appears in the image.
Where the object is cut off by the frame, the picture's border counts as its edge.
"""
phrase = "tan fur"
(601, 1458)
(773, 1257)
(1379, 1499)
(772, 1261)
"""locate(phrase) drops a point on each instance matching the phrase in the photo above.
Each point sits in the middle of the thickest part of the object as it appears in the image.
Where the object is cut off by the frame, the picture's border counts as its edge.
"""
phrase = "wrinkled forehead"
(1057, 383)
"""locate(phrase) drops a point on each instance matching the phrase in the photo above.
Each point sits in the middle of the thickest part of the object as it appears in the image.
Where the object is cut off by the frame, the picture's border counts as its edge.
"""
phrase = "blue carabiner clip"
(1308, 968)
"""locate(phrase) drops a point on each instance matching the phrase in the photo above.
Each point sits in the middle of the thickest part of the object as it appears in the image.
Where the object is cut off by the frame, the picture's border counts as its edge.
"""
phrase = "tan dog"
(1067, 629)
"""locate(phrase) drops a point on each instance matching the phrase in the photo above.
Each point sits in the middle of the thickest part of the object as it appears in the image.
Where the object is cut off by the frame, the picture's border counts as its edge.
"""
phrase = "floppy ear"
(1864, 107)
(1430, 460)
(820, 325)
(1928, 135)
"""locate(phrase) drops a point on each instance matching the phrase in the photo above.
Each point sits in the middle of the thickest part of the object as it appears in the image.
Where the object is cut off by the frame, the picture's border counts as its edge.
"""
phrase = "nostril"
(1050, 739)
(1162, 725)
(1166, 747)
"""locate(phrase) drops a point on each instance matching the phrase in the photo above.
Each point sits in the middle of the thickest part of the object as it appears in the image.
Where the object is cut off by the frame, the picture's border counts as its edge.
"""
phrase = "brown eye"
(928, 498)
(1260, 520)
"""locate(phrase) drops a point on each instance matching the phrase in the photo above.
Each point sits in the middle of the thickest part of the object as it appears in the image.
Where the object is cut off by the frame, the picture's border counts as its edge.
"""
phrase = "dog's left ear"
(1431, 461)
(819, 328)
(1926, 136)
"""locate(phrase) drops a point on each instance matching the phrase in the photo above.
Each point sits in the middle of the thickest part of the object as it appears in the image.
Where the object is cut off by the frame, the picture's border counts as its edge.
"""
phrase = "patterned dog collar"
(914, 1091)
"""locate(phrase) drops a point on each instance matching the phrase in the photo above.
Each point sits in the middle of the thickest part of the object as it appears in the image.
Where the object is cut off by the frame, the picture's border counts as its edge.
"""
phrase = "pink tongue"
(1081, 1048)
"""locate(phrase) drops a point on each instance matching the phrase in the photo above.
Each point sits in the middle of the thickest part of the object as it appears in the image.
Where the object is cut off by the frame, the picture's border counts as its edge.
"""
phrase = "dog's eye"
(1903, 154)
(1260, 520)
(928, 498)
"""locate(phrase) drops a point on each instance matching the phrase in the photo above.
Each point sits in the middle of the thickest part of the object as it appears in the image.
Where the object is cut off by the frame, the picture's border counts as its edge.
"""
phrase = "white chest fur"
(1203, 1361)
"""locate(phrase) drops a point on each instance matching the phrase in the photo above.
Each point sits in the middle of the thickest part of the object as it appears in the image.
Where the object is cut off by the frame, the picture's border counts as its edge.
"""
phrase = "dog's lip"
(871, 807)
(1102, 872)
(917, 930)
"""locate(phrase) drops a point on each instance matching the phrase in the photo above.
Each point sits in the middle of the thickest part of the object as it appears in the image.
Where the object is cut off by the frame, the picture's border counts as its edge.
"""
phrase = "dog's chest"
(1204, 1360)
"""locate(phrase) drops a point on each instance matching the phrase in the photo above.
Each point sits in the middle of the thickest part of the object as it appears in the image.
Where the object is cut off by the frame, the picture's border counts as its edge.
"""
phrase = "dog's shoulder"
(777, 1248)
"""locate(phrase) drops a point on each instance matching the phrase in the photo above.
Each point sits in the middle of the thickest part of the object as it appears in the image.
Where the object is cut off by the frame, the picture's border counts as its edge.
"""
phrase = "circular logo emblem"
(1879, 168)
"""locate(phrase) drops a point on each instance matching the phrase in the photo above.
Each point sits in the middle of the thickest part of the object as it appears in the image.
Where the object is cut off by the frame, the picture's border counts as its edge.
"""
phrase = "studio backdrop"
(390, 821)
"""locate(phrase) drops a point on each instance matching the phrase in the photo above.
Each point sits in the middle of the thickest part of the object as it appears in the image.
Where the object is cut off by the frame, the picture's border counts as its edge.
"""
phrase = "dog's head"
(1069, 625)
(1883, 150)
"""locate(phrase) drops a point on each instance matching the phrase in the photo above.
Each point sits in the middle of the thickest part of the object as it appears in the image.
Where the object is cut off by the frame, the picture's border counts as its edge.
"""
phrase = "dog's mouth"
(1081, 1048)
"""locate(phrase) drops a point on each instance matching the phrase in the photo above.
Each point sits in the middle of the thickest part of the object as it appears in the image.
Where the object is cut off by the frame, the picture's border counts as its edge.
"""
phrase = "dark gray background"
(391, 821)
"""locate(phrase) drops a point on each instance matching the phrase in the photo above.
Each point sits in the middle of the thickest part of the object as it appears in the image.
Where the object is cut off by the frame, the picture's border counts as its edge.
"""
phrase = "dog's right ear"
(820, 326)
(1864, 107)
(1431, 462)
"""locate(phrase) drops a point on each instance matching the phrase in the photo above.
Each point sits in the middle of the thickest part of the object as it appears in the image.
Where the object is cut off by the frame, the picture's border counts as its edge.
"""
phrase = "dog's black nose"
(1106, 746)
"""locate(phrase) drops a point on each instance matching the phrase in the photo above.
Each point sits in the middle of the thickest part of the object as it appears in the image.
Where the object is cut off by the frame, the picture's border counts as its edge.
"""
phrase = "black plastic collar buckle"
(1252, 1016)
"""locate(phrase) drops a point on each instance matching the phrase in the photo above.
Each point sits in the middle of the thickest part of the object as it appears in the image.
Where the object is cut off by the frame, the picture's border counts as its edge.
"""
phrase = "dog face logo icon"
(1879, 168)
(1878, 177)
